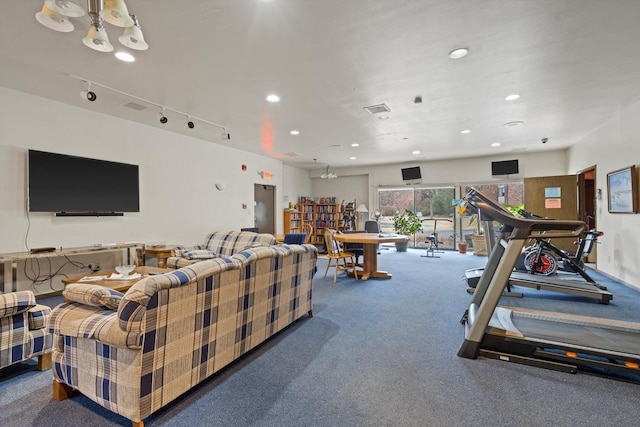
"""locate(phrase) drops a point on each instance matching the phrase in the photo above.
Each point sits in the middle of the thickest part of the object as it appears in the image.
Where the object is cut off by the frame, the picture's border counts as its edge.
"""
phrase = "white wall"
(445, 172)
(613, 146)
(178, 199)
(295, 183)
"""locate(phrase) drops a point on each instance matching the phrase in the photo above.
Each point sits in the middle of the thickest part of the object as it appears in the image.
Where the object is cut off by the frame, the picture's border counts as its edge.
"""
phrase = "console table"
(9, 261)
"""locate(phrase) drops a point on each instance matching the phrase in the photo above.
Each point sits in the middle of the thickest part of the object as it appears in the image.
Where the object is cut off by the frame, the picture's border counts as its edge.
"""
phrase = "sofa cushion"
(16, 302)
(38, 316)
(199, 254)
(94, 295)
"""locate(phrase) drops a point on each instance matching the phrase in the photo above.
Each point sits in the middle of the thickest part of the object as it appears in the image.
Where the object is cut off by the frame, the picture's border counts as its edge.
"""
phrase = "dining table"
(370, 242)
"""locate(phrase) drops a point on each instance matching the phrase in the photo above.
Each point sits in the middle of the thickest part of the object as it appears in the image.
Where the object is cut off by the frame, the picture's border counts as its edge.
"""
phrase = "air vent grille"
(134, 106)
(375, 109)
(291, 154)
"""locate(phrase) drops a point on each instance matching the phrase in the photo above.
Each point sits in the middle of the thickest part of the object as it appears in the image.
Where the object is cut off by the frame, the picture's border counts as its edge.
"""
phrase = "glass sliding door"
(432, 205)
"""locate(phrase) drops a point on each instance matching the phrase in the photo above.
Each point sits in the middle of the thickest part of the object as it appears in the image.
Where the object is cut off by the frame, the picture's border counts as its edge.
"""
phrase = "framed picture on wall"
(621, 189)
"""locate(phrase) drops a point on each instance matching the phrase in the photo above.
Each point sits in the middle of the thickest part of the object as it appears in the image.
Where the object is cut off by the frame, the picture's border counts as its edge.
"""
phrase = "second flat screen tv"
(507, 167)
(75, 185)
(411, 174)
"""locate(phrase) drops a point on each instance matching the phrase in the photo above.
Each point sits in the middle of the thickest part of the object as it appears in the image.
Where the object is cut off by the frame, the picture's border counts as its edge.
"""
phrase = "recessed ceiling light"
(459, 53)
(295, 132)
(465, 131)
(125, 56)
(514, 123)
(496, 144)
(511, 97)
(415, 152)
(273, 98)
(355, 144)
(383, 117)
(352, 158)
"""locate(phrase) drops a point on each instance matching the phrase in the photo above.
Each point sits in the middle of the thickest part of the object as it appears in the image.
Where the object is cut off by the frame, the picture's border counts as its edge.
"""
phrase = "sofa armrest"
(78, 320)
(16, 302)
(176, 262)
(38, 316)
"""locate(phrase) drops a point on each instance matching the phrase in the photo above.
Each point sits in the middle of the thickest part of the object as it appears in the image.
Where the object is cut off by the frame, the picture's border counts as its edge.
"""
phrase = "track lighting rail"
(155, 104)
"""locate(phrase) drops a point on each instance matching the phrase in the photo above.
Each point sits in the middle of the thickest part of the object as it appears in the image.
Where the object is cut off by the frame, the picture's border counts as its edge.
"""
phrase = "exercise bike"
(545, 259)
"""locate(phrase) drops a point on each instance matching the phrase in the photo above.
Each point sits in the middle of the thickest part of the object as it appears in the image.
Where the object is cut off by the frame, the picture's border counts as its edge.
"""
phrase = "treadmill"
(545, 339)
(589, 289)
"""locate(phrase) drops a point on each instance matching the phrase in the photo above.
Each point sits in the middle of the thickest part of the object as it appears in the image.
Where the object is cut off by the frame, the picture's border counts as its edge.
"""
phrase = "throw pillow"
(199, 254)
(95, 295)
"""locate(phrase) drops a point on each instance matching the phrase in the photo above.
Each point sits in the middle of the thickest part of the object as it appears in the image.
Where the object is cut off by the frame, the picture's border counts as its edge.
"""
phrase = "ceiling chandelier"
(55, 15)
(328, 173)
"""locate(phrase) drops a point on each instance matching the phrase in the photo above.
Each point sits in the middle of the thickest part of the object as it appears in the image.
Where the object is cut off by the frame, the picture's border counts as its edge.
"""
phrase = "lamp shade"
(132, 38)
(362, 208)
(97, 39)
(54, 20)
(69, 8)
(115, 12)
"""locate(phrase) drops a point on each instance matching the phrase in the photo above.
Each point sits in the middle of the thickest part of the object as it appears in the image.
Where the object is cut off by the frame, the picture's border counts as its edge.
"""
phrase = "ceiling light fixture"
(295, 132)
(273, 98)
(465, 131)
(496, 144)
(328, 174)
(55, 15)
(511, 97)
(352, 158)
(355, 144)
(459, 53)
(415, 152)
(125, 56)
(383, 117)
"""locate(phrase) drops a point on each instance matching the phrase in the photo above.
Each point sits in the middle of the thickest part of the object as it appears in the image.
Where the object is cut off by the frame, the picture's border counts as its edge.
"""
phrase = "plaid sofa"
(218, 244)
(23, 332)
(170, 332)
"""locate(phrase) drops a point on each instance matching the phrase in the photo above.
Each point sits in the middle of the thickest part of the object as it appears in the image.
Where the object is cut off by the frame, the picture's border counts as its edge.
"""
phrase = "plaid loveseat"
(172, 331)
(23, 332)
(218, 244)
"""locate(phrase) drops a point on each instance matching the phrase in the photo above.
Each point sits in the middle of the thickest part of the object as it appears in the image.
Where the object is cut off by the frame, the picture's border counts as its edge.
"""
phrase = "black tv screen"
(410, 174)
(70, 184)
(507, 167)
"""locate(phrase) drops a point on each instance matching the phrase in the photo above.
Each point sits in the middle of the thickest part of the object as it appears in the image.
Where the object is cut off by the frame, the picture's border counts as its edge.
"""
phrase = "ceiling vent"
(291, 154)
(380, 108)
(134, 106)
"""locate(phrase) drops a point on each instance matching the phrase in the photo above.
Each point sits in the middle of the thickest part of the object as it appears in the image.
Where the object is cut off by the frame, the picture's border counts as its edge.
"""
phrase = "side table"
(160, 252)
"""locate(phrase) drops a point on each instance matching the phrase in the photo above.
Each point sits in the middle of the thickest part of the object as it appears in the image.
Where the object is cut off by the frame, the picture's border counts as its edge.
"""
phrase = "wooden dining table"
(370, 242)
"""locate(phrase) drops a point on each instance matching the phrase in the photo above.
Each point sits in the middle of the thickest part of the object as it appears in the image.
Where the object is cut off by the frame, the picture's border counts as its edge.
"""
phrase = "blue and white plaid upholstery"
(22, 328)
(218, 244)
(172, 331)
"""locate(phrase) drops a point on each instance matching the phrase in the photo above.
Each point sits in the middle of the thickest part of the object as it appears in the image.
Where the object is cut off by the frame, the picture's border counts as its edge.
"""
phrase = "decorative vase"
(462, 247)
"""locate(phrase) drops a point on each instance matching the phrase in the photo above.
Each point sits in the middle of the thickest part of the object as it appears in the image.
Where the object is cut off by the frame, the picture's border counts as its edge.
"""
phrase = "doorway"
(264, 197)
(587, 201)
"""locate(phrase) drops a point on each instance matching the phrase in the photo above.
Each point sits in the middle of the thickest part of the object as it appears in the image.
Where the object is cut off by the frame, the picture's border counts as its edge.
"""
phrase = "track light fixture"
(163, 119)
(190, 124)
(55, 15)
(88, 94)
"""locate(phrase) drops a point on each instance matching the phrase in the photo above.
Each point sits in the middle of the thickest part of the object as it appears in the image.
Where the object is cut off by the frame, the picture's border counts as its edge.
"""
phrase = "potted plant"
(407, 223)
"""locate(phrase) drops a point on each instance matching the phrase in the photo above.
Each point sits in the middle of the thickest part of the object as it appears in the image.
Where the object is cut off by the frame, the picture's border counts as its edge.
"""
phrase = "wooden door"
(553, 197)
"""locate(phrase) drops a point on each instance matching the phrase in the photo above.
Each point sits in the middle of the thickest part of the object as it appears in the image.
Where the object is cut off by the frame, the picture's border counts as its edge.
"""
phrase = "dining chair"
(307, 228)
(341, 260)
(294, 238)
(356, 249)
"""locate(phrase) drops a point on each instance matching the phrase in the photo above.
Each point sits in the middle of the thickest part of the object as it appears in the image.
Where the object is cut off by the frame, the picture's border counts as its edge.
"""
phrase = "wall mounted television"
(79, 186)
(507, 167)
(411, 174)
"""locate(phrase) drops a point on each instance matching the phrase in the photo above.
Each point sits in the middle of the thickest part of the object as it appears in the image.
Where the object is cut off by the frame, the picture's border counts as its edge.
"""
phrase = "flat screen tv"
(507, 167)
(411, 174)
(71, 185)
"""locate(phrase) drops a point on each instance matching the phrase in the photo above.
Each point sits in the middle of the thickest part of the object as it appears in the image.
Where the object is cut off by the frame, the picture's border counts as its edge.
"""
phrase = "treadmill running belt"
(579, 335)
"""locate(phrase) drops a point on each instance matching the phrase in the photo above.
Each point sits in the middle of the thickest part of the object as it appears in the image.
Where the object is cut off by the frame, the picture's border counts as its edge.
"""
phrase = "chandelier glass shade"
(328, 174)
(56, 14)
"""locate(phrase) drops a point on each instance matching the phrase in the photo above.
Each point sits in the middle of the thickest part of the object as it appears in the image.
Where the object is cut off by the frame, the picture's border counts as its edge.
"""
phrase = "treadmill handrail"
(523, 227)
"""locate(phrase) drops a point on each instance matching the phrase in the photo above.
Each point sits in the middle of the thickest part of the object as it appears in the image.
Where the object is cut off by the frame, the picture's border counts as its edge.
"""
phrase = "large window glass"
(432, 205)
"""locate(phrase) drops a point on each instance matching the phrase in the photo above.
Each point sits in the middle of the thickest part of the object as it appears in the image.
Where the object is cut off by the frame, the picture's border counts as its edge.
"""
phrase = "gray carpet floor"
(377, 353)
